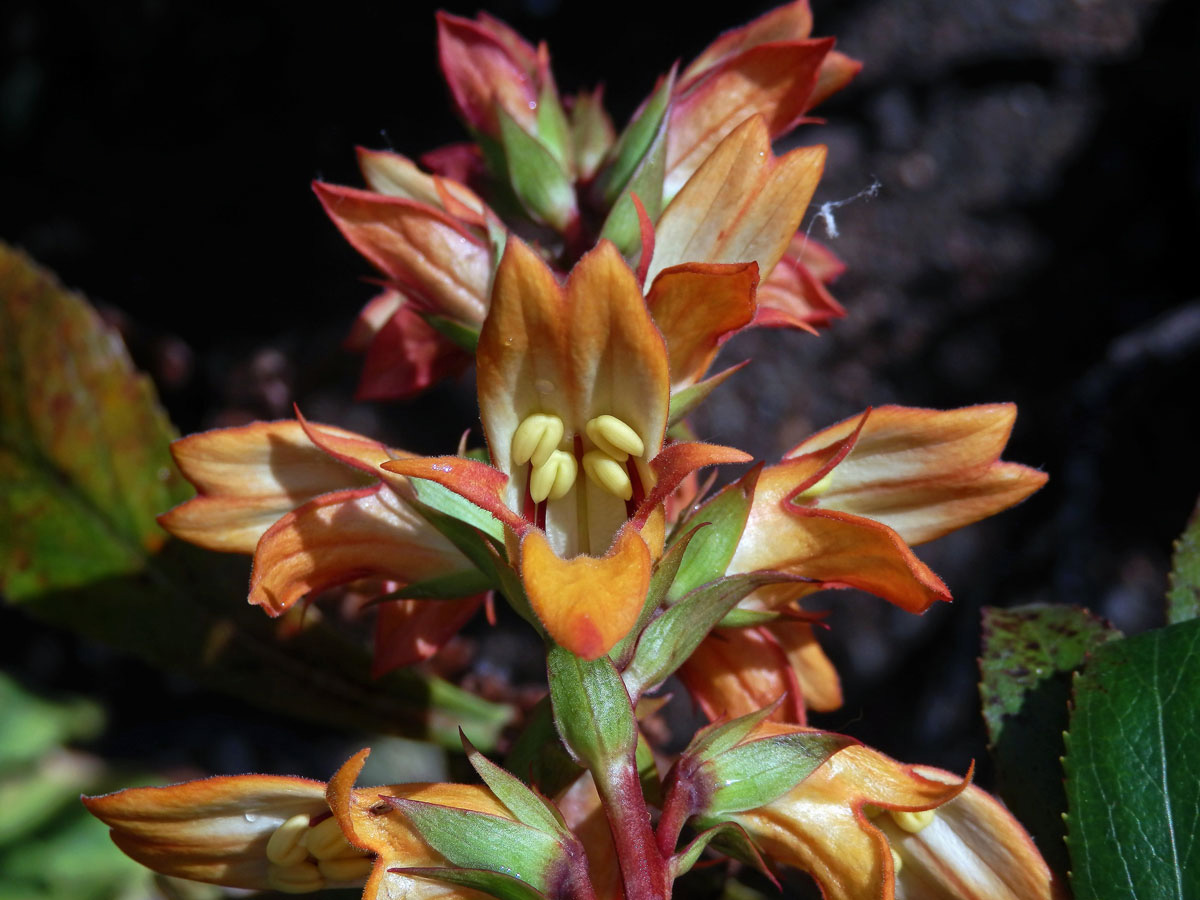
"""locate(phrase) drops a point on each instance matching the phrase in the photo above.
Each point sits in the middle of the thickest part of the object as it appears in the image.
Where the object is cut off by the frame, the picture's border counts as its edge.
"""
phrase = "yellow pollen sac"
(614, 437)
(326, 841)
(912, 822)
(286, 847)
(536, 438)
(298, 879)
(609, 474)
(817, 489)
(347, 868)
(554, 478)
(897, 862)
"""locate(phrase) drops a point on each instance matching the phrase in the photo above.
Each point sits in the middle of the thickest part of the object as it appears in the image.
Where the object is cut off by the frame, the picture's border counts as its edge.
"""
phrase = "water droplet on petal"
(250, 817)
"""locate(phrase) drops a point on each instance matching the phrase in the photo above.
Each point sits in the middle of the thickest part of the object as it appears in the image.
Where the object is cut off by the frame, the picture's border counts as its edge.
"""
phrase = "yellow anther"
(817, 489)
(897, 862)
(326, 841)
(536, 438)
(912, 822)
(609, 474)
(286, 845)
(298, 879)
(554, 478)
(346, 869)
(614, 437)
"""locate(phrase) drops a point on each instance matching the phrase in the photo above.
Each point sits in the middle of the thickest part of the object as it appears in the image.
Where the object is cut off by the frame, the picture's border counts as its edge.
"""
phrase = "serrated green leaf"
(494, 884)
(475, 840)
(1029, 656)
(592, 711)
(523, 803)
(1133, 769)
(1183, 597)
(84, 469)
(536, 177)
(670, 639)
(709, 554)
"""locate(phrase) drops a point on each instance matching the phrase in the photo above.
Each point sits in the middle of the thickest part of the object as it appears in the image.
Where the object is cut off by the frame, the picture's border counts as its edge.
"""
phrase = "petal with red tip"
(406, 356)
(795, 295)
(742, 204)
(837, 71)
(398, 176)
(679, 460)
(773, 80)
(343, 536)
(215, 830)
(469, 478)
(427, 252)
(246, 478)
(789, 22)
(587, 603)
(483, 71)
(409, 631)
(697, 306)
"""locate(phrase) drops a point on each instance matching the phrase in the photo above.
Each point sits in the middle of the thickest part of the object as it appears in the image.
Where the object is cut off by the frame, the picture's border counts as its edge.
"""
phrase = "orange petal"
(587, 603)
(773, 80)
(820, 826)
(409, 631)
(372, 317)
(697, 306)
(426, 251)
(398, 176)
(343, 536)
(839, 550)
(246, 478)
(796, 296)
(837, 71)
(742, 204)
(973, 850)
(789, 22)
(679, 460)
(925, 472)
(371, 824)
(215, 830)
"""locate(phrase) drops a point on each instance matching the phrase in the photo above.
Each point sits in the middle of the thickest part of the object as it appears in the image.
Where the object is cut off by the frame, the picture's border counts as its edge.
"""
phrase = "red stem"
(643, 868)
(676, 810)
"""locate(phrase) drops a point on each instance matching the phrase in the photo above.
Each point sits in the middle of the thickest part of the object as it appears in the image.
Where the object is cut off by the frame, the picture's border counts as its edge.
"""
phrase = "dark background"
(1034, 240)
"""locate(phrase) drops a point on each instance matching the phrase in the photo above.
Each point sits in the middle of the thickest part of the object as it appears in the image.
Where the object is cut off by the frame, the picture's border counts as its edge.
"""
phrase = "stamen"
(607, 473)
(286, 847)
(554, 478)
(912, 822)
(614, 437)
(897, 862)
(348, 868)
(326, 841)
(536, 438)
(298, 879)
(817, 489)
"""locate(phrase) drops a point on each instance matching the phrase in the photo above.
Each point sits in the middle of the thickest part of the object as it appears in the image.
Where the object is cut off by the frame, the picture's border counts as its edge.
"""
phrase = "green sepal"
(748, 618)
(536, 177)
(486, 881)
(592, 133)
(443, 500)
(475, 840)
(623, 225)
(1183, 597)
(758, 771)
(592, 710)
(660, 582)
(517, 797)
(709, 554)
(553, 130)
(634, 143)
(718, 737)
(730, 839)
(687, 399)
(539, 753)
(734, 835)
(670, 639)
(458, 333)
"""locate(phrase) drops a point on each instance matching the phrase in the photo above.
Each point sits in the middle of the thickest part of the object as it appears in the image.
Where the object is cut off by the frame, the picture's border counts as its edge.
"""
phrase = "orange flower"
(313, 506)
(574, 390)
(867, 827)
(842, 509)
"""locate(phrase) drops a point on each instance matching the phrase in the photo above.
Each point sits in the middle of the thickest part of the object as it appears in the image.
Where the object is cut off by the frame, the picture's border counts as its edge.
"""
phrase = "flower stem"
(643, 869)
